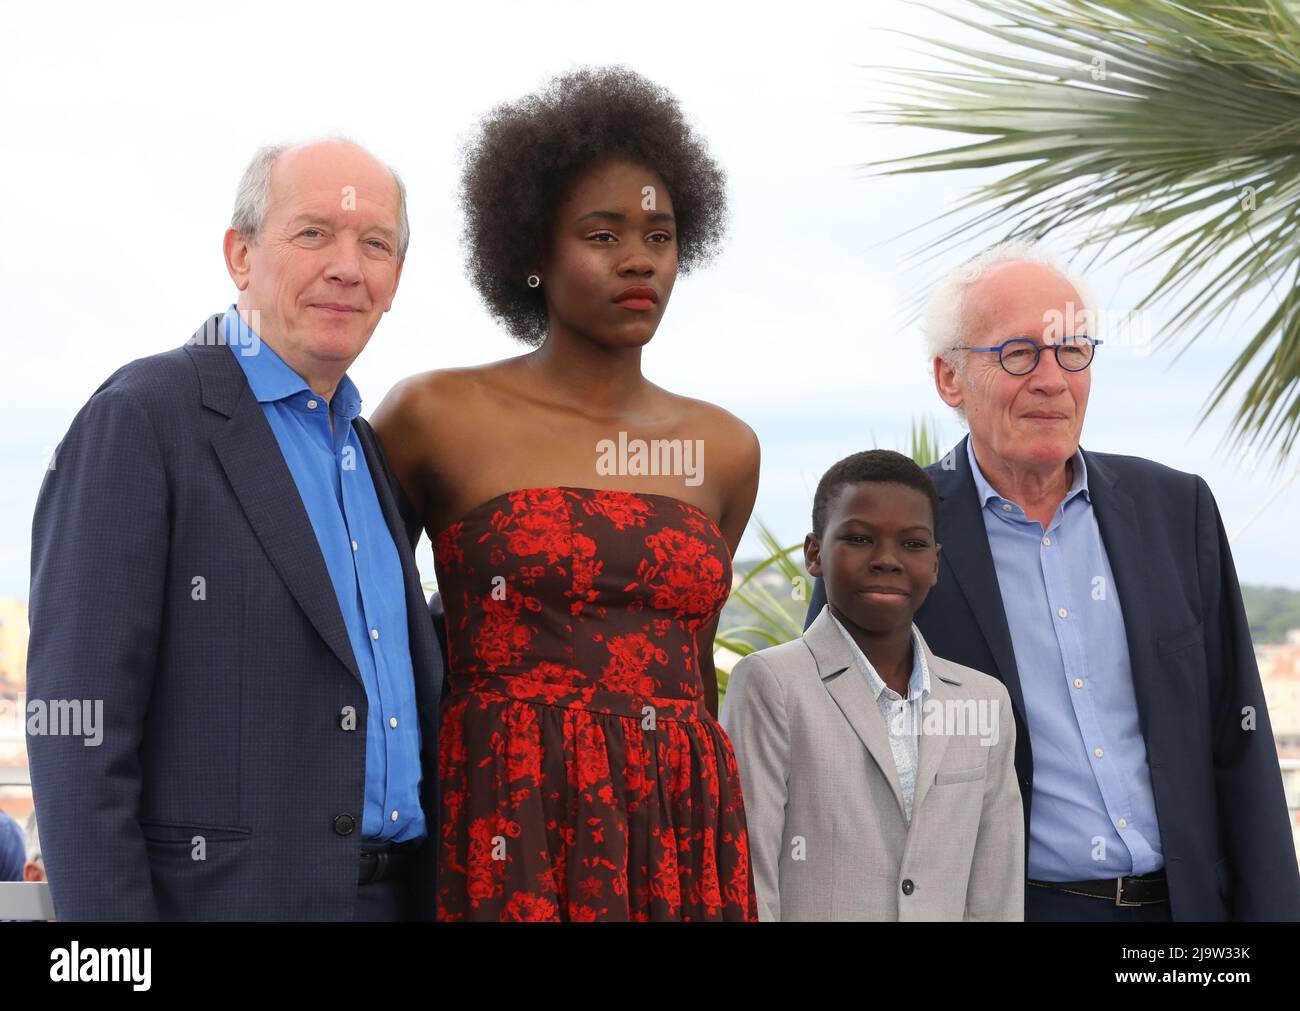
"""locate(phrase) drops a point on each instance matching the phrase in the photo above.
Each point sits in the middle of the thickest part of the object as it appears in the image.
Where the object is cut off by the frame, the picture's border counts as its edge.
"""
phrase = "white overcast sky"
(125, 128)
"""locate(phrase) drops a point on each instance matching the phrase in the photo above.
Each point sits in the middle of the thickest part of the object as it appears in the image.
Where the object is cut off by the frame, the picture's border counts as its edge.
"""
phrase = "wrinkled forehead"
(1022, 300)
(334, 185)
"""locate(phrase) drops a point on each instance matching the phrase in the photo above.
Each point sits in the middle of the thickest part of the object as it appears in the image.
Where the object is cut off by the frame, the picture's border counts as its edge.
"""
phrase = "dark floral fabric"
(582, 777)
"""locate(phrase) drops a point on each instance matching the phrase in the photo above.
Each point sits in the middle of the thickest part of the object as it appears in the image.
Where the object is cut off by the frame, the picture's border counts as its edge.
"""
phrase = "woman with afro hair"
(583, 521)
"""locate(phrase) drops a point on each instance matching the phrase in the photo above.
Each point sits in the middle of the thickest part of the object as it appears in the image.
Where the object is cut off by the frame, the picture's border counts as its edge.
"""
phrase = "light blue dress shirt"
(334, 482)
(1093, 814)
(902, 716)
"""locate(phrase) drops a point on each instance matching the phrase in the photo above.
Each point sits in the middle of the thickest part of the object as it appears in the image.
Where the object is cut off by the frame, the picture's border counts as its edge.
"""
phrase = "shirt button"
(1047, 540)
(1123, 823)
(392, 722)
(1097, 752)
(908, 886)
(374, 633)
(311, 404)
(1062, 612)
(1078, 682)
(354, 545)
(1006, 507)
(394, 816)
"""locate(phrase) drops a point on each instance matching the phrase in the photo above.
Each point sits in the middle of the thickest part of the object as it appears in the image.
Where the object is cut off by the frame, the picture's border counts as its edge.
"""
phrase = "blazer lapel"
(847, 685)
(1121, 534)
(967, 557)
(251, 458)
(931, 747)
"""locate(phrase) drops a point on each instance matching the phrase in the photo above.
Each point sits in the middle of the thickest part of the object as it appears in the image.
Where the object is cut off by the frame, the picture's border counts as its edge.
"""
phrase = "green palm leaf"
(1167, 129)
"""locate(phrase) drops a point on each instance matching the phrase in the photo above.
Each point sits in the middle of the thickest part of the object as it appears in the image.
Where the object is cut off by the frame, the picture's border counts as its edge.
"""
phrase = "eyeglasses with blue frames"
(1019, 356)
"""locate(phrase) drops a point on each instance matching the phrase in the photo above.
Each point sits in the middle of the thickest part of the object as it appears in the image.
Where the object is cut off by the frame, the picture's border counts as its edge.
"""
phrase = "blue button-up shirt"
(902, 716)
(334, 482)
(1093, 813)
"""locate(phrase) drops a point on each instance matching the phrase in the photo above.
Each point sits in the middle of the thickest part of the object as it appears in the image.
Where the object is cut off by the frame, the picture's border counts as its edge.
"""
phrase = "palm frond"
(1169, 130)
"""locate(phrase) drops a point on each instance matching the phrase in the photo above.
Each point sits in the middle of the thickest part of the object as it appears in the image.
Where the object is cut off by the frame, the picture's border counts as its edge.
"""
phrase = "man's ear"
(396, 281)
(946, 382)
(938, 550)
(237, 249)
(812, 555)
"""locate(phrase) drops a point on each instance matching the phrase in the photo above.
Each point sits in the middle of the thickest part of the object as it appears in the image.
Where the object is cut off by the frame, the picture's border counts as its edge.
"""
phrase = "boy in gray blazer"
(879, 779)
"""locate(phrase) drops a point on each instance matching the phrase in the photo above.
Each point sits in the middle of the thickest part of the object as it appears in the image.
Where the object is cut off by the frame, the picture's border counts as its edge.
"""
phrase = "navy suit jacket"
(1218, 788)
(176, 577)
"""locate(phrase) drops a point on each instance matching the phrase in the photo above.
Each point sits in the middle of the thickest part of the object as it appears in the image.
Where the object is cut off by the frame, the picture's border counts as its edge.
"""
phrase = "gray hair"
(253, 198)
(943, 320)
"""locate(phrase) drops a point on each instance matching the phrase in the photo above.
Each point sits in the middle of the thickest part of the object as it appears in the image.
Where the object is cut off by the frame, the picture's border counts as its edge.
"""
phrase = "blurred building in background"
(1279, 670)
(15, 791)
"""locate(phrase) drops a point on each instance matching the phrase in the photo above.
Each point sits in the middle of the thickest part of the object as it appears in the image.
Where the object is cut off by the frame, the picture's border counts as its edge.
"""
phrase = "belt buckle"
(1119, 895)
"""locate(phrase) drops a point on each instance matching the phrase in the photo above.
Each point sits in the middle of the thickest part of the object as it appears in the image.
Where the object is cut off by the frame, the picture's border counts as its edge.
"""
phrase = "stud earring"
(533, 280)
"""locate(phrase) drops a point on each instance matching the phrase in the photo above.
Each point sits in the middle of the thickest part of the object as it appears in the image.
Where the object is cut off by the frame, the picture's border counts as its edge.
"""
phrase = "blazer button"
(344, 824)
(908, 887)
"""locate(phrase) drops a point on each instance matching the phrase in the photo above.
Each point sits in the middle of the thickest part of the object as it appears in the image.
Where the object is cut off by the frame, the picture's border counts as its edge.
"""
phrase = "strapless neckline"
(575, 728)
(576, 487)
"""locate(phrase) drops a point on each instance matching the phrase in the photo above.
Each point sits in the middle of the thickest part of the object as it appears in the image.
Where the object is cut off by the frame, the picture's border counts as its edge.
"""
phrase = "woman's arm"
(738, 447)
(402, 423)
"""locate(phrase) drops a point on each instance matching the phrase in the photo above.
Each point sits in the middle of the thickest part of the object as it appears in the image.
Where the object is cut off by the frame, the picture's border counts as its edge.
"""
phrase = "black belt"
(1136, 890)
(386, 860)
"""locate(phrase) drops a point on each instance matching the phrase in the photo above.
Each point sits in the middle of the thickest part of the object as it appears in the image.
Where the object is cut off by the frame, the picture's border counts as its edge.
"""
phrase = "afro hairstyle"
(526, 155)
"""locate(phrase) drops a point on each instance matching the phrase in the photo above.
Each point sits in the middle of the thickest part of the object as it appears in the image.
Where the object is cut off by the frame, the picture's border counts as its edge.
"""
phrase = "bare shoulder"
(737, 445)
(436, 396)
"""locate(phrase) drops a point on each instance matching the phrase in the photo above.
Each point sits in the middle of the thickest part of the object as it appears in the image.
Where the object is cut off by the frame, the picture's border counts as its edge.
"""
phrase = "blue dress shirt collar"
(987, 493)
(272, 380)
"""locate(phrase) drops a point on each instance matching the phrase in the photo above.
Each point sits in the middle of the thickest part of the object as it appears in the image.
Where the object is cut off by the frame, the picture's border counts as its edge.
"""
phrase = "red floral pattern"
(582, 778)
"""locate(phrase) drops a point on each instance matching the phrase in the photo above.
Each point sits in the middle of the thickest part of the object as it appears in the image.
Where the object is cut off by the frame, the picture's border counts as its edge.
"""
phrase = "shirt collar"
(270, 377)
(917, 685)
(986, 492)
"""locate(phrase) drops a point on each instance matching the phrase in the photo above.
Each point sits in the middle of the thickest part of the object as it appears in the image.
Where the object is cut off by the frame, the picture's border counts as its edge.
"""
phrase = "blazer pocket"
(960, 776)
(170, 832)
(1193, 635)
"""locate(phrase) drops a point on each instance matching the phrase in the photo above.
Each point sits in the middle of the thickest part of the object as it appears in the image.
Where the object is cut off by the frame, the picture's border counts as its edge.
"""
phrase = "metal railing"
(25, 900)
(15, 775)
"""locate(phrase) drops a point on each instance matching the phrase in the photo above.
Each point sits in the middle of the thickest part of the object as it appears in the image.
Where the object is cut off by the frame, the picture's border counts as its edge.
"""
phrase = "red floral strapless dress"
(582, 776)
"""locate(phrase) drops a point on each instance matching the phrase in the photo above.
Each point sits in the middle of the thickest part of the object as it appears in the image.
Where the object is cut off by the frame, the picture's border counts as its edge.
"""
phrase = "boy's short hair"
(881, 466)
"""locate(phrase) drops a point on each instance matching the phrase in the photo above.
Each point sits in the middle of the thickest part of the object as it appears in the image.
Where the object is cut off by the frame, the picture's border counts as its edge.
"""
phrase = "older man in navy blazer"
(219, 563)
(1100, 589)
